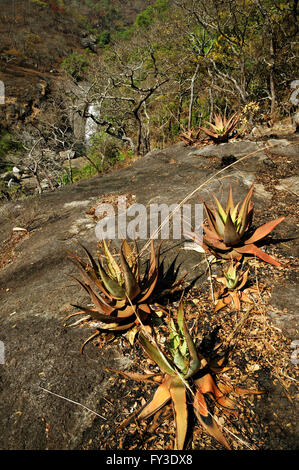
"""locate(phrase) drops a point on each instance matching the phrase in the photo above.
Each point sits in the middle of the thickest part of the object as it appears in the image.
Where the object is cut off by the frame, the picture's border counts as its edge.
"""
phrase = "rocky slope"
(36, 292)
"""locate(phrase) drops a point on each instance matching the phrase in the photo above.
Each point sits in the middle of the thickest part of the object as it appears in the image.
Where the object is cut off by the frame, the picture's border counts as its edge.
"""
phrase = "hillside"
(142, 113)
(36, 292)
(37, 35)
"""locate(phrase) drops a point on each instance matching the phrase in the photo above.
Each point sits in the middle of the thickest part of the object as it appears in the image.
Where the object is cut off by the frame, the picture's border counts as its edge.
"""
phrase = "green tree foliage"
(75, 65)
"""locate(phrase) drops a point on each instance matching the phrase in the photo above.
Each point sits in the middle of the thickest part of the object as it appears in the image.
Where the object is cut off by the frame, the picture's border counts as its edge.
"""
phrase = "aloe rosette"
(233, 288)
(222, 128)
(119, 293)
(228, 232)
(186, 372)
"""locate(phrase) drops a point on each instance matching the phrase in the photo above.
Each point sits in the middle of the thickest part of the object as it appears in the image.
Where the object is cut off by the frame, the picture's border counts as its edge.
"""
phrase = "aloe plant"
(222, 128)
(228, 231)
(119, 293)
(186, 372)
(233, 288)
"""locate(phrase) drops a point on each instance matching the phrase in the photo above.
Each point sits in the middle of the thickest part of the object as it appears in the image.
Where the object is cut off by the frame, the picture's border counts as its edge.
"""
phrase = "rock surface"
(35, 290)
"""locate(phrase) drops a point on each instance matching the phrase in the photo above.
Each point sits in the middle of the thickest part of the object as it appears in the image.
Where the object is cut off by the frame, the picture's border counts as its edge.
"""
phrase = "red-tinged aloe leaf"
(132, 288)
(207, 420)
(213, 239)
(93, 263)
(99, 303)
(89, 275)
(96, 315)
(126, 312)
(230, 201)
(244, 212)
(145, 308)
(134, 375)
(236, 300)
(114, 289)
(161, 397)
(117, 327)
(244, 280)
(153, 260)
(210, 218)
(209, 132)
(264, 230)
(255, 251)
(219, 305)
(156, 355)
(153, 273)
(136, 265)
(245, 298)
(231, 236)
(218, 120)
(194, 363)
(207, 385)
(178, 394)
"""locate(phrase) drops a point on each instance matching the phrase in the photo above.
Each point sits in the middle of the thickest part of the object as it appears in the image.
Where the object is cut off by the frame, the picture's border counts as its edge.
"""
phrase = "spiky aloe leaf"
(156, 355)
(112, 286)
(222, 213)
(204, 416)
(194, 359)
(131, 285)
(262, 231)
(243, 216)
(230, 201)
(161, 397)
(153, 273)
(113, 267)
(255, 251)
(231, 236)
(178, 395)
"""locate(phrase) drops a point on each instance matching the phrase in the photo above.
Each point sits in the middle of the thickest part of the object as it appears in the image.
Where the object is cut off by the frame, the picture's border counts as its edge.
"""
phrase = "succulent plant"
(233, 288)
(186, 372)
(118, 292)
(228, 232)
(222, 128)
(189, 137)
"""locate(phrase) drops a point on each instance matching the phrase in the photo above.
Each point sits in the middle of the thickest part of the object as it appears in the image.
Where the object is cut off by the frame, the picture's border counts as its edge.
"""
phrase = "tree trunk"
(192, 97)
(271, 78)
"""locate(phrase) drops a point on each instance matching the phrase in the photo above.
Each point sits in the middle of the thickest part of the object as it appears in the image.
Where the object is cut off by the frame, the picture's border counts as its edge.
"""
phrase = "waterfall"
(90, 126)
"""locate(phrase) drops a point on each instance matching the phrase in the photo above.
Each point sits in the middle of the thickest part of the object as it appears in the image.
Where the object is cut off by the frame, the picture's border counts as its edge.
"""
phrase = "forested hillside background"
(139, 72)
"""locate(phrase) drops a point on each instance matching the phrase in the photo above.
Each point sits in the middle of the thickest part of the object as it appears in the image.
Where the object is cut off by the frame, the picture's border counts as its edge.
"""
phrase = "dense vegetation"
(152, 70)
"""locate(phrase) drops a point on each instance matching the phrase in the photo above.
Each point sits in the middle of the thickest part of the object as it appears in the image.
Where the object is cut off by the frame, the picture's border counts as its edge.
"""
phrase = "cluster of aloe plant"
(222, 128)
(118, 291)
(189, 374)
(233, 288)
(122, 298)
(228, 232)
(219, 131)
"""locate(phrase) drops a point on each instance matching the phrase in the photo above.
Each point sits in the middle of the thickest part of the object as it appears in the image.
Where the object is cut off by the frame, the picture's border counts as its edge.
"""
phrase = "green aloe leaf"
(156, 355)
(113, 267)
(117, 291)
(194, 360)
(132, 287)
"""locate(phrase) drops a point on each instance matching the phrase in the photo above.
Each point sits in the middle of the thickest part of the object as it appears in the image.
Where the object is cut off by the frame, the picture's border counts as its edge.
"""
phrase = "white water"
(90, 126)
